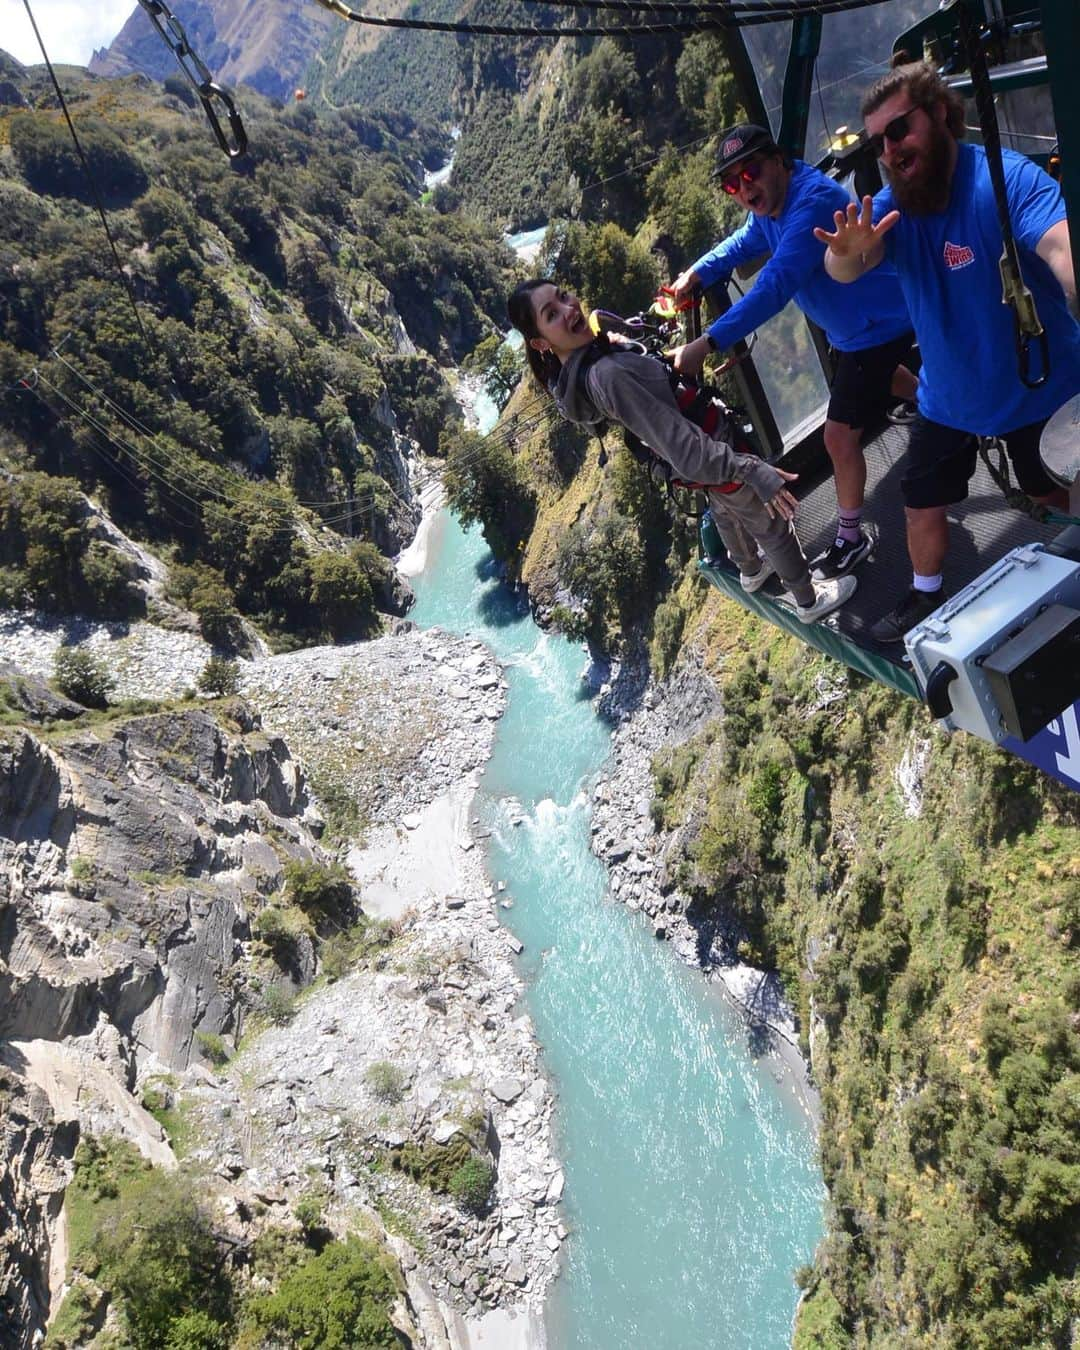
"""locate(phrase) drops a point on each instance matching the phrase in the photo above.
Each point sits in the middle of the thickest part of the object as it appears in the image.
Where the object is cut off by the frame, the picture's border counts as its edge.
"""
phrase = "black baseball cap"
(739, 142)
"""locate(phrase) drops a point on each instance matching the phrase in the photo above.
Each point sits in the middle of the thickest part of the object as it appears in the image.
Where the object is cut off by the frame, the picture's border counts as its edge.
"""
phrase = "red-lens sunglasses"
(749, 173)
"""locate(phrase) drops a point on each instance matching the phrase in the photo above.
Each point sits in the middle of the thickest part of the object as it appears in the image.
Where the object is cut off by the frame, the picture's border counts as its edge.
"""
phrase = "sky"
(71, 29)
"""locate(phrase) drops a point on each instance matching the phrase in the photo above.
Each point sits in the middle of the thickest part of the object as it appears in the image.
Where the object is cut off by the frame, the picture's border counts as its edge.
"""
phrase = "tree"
(341, 594)
(605, 566)
(499, 365)
(80, 675)
(607, 268)
(219, 677)
(485, 486)
(51, 165)
(336, 1300)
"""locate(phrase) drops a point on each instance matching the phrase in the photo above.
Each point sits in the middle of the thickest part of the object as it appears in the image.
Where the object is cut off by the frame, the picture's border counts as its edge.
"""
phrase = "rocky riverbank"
(640, 857)
(412, 1050)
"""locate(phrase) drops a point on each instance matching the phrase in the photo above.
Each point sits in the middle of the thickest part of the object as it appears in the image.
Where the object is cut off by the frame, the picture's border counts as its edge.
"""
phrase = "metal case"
(987, 663)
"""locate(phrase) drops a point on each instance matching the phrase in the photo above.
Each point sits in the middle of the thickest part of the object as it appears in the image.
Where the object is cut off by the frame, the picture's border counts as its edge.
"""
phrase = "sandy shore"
(412, 560)
(400, 866)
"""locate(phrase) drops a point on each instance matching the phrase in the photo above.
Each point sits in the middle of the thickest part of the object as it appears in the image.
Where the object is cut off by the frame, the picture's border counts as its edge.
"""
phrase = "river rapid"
(692, 1187)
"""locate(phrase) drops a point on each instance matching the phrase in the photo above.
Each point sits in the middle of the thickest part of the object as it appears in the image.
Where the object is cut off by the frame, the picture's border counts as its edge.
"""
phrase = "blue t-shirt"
(948, 268)
(863, 314)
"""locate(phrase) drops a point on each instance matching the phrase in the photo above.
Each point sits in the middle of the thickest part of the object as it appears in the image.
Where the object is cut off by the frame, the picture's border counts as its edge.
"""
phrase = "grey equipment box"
(1002, 658)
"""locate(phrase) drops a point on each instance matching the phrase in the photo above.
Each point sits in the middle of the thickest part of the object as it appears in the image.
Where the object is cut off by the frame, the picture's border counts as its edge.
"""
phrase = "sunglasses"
(894, 131)
(749, 173)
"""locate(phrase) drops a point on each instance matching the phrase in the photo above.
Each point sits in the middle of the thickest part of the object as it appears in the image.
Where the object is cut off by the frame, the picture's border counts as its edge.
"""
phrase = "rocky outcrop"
(35, 1158)
(134, 855)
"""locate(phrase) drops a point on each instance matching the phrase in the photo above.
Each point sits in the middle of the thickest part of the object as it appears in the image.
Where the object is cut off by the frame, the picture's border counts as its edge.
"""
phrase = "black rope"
(89, 177)
(718, 16)
(1014, 292)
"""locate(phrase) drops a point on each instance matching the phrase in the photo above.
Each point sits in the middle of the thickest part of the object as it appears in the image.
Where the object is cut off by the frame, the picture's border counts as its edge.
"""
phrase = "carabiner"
(1023, 355)
(209, 90)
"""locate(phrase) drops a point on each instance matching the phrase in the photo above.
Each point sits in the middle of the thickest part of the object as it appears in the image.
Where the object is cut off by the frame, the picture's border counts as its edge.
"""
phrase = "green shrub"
(203, 590)
(320, 891)
(219, 678)
(765, 796)
(51, 164)
(471, 1184)
(569, 622)
(279, 1005)
(668, 623)
(142, 1235)
(308, 1209)
(14, 588)
(430, 1164)
(340, 1298)
(386, 1081)
(76, 1318)
(356, 946)
(78, 674)
(280, 927)
(197, 1330)
(606, 567)
(213, 1047)
(179, 88)
(341, 595)
(485, 485)
(109, 580)
(603, 263)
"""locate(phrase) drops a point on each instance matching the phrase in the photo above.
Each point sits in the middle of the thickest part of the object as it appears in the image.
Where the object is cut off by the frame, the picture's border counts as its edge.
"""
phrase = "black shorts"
(940, 461)
(861, 391)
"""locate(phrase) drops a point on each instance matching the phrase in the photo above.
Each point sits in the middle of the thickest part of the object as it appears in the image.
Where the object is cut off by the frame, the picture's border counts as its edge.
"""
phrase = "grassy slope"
(944, 1020)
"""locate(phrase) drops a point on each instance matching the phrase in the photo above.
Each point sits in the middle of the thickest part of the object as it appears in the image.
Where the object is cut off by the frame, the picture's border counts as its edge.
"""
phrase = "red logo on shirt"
(957, 255)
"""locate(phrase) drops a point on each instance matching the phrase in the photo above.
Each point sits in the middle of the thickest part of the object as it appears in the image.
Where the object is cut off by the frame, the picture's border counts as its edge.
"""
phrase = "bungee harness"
(698, 402)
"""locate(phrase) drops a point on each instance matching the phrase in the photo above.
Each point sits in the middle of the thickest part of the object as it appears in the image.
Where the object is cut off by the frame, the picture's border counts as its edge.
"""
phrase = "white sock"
(927, 584)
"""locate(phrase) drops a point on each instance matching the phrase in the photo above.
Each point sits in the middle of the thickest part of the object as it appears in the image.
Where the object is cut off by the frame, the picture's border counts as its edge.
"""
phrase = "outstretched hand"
(783, 504)
(856, 232)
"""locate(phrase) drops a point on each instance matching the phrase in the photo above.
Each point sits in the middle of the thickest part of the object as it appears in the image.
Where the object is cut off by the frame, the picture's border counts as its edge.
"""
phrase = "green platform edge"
(826, 640)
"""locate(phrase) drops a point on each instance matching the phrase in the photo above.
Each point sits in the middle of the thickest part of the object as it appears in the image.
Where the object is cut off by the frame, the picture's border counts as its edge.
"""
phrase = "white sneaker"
(755, 580)
(828, 595)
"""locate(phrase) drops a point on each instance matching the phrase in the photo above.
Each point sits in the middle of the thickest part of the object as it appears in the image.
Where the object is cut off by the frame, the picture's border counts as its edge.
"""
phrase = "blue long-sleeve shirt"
(863, 314)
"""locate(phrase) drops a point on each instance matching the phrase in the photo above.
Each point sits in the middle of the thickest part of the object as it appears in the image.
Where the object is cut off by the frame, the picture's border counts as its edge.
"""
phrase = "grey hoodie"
(634, 390)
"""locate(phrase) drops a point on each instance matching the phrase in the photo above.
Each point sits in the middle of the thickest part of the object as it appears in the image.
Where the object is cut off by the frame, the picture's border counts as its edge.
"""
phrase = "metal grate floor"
(982, 530)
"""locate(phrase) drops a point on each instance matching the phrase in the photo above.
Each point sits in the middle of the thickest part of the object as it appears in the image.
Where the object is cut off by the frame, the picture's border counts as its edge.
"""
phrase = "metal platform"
(982, 530)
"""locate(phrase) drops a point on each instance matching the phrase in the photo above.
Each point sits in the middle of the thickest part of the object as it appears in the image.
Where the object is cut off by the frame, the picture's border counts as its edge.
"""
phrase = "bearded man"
(937, 221)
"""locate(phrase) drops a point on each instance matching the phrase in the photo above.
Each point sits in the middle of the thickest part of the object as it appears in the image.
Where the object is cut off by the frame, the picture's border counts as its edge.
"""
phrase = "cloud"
(70, 29)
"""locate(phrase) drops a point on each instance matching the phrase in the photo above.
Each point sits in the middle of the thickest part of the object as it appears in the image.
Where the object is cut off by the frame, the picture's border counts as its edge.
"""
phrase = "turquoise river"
(692, 1190)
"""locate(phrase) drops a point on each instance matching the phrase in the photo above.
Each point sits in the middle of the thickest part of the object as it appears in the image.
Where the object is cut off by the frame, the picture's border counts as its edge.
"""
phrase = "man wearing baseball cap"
(868, 325)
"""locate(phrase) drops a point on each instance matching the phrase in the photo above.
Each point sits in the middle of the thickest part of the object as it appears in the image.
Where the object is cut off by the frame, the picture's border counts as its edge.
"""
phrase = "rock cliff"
(137, 854)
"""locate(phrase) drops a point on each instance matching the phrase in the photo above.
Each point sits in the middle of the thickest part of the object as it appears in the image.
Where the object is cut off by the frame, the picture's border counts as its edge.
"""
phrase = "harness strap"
(1014, 293)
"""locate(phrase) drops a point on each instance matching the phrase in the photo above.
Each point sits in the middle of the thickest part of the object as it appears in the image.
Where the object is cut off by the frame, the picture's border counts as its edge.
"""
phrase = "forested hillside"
(244, 415)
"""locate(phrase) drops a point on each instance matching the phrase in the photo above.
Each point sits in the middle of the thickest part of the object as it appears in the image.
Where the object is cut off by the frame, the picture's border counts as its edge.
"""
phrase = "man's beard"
(928, 192)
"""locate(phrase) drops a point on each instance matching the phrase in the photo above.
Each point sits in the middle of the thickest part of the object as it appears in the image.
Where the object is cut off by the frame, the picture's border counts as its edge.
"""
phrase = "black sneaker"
(915, 606)
(841, 556)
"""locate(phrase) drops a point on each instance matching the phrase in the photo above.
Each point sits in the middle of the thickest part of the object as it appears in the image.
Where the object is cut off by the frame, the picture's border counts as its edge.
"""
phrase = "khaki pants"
(745, 525)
